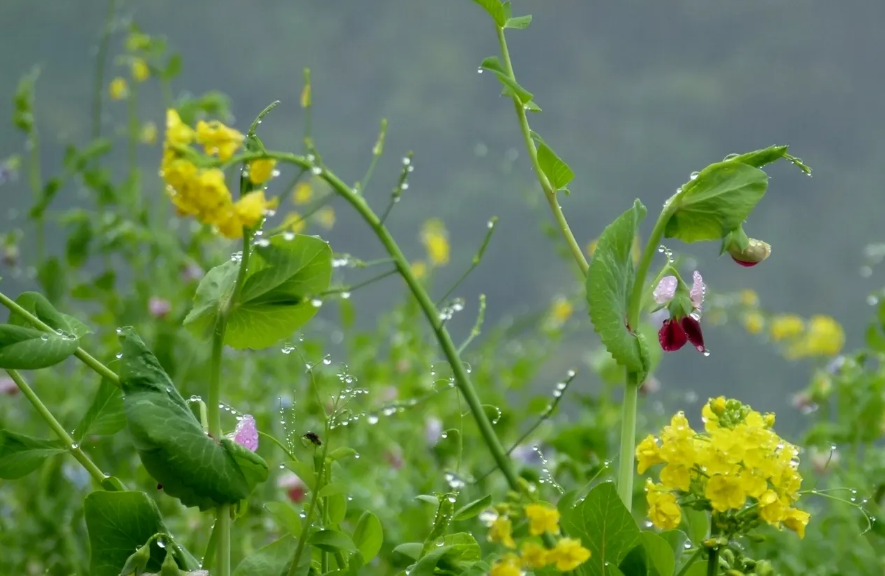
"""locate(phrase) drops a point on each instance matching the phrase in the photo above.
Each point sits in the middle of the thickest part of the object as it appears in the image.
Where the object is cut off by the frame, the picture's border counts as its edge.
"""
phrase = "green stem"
(98, 82)
(692, 560)
(132, 149)
(84, 356)
(549, 192)
(713, 562)
(70, 445)
(631, 391)
(311, 512)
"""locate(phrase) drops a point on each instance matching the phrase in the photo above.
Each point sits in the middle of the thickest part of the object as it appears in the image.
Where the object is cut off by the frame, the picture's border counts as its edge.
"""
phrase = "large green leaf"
(172, 445)
(368, 535)
(20, 455)
(495, 9)
(716, 202)
(661, 560)
(604, 526)
(24, 348)
(697, 523)
(676, 540)
(105, 416)
(609, 284)
(457, 551)
(274, 559)
(332, 541)
(120, 522)
(635, 563)
(39, 306)
(275, 299)
(286, 515)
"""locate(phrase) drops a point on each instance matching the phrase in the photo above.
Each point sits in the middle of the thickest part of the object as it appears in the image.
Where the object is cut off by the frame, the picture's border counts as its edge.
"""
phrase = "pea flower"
(756, 251)
(684, 306)
(293, 485)
(246, 433)
(158, 307)
(8, 386)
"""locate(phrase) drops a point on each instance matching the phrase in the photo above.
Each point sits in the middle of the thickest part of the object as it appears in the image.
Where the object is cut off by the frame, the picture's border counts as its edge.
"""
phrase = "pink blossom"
(246, 433)
(159, 307)
(432, 430)
(665, 289)
(7, 386)
(698, 290)
(293, 485)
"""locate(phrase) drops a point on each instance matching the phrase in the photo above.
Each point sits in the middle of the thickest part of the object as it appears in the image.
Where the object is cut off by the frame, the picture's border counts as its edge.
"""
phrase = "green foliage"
(495, 9)
(368, 535)
(20, 455)
(604, 526)
(284, 276)
(172, 445)
(105, 416)
(609, 285)
(29, 349)
(557, 172)
(271, 560)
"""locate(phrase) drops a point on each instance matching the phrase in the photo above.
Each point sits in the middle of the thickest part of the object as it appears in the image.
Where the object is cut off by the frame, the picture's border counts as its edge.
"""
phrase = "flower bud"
(170, 567)
(137, 563)
(755, 252)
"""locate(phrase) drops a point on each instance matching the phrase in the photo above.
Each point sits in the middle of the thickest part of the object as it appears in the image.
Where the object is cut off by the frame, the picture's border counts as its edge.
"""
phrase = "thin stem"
(98, 82)
(343, 289)
(631, 391)
(477, 326)
(132, 149)
(84, 356)
(377, 151)
(477, 258)
(311, 511)
(692, 560)
(70, 445)
(549, 192)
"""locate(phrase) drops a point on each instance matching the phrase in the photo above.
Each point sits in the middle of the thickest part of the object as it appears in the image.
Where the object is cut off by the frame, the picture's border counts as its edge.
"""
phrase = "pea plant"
(322, 478)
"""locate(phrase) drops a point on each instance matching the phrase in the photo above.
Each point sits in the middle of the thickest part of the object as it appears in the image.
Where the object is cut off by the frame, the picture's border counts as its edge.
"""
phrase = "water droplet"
(119, 355)
(872, 300)
(388, 410)
(44, 337)
(687, 544)
(731, 156)
(316, 302)
(288, 236)
(287, 348)
(161, 543)
(327, 359)
(488, 516)
(262, 242)
(75, 446)
(706, 352)
(372, 418)
(406, 161)
(345, 295)
(694, 175)
(479, 70)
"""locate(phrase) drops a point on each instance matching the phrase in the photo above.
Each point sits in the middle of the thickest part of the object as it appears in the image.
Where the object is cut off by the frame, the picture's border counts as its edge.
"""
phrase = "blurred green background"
(636, 95)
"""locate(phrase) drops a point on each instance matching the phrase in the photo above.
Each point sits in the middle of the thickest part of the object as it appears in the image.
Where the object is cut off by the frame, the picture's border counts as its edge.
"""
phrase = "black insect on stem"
(313, 438)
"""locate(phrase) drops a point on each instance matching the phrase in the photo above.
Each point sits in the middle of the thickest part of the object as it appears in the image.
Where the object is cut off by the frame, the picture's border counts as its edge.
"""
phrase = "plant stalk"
(98, 83)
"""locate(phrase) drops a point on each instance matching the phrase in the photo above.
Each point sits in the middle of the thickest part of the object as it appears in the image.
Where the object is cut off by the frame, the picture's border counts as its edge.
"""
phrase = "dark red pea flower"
(679, 328)
(756, 251)
(672, 336)
(744, 264)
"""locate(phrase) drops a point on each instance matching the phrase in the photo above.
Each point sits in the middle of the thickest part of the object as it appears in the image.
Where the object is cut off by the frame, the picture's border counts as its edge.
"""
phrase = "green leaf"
(716, 202)
(276, 296)
(286, 516)
(303, 470)
(635, 563)
(519, 22)
(342, 452)
(457, 551)
(39, 306)
(173, 66)
(696, 569)
(513, 89)
(273, 560)
(660, 555)
(20, 455)
(444, 513)
(495, 9)
(558, 172)
(172, 445)
(30, 349)
(609, 284)
(532, 107)
(105, 416)
(412, 550)
(52, 279)
(493, 64)
(118, 523)
(429, 498)
(612, 570)
(676, 540)
(337, 506)
(368, 536)
(605, 527)
(760, 158)
(473, 508)
(697, 523)
(332, 541)
(332, 489)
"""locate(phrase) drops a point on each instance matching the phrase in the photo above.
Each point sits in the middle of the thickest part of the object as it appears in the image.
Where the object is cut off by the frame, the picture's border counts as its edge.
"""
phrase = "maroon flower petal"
(743, 263)
(692, 330)
(672, 336)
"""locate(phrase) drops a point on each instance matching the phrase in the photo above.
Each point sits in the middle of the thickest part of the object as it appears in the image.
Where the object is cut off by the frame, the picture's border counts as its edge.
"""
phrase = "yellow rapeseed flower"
(796, 520)
(591, 247)
(177, 132)
(561, 310)
(568, 554)
(252, 207)
(260, 171)
(542, 519)
(648, 454)
(119, 88)
(140, 70)
(137, 41)
(326, 217)
(749, 297)
(824, 337)
(663, 509)
(534, 555)
(419, 269)
(302, 193)
(509, 565)
(501, 531)
(725, 492)
(436, 242)
(148, 133)
(218, 139)
(785, 326)
(754, 323)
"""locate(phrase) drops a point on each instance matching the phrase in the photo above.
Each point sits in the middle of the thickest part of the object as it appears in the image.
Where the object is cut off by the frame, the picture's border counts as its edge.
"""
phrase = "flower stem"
(549, 192)
(70, 445)
(691, 560)
(713, 562)
(98, 83)
(311, 511)
(84, 356)
(631, 391)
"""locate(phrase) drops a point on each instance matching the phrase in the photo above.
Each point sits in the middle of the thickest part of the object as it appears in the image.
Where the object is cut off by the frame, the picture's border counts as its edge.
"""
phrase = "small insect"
(314, 439)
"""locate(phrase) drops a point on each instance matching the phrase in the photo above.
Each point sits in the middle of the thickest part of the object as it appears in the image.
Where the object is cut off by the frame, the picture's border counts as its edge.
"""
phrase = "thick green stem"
(690, 562)
(311, 511)
(631, 391)
(81, 354)
(549, 191)
(70, 445)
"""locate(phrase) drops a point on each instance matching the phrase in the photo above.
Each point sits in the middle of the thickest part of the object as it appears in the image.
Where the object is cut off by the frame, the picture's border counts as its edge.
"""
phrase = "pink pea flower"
(7, 386)
(159, 307)
(246, 433)
(681, 327)
(293, 485)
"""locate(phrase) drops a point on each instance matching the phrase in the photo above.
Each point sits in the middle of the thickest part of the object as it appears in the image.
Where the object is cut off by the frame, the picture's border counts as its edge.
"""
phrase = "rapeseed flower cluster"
(436, 241)
(566, 555)
(203, 192)
(738, 467)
